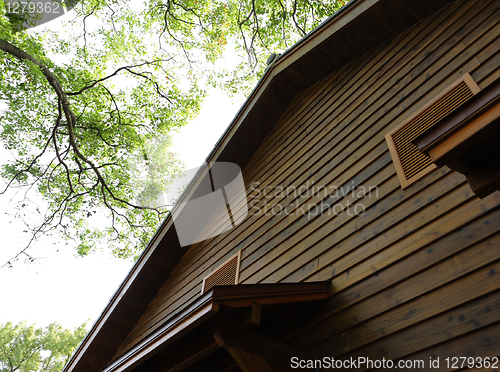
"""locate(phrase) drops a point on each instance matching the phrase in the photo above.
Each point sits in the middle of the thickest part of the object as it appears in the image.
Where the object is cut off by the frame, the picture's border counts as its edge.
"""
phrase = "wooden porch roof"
(206, 307)
(468, 140)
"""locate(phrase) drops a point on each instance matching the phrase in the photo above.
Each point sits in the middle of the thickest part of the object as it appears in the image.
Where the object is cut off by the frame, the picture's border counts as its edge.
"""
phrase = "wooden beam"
(270, 350)
(171, 332)
(173, 360)
(249, 362)
(204, 345)
(243, 322)
(235, 296)
(250, 319)
(192, 359)
(485, 179)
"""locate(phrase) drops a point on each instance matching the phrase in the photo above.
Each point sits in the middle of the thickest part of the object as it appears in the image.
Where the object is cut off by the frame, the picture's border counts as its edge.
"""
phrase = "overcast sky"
(68, 289)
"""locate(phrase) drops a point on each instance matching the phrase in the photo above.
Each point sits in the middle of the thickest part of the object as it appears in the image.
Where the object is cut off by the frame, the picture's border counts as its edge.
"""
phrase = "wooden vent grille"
(226, 274)
(410, 163)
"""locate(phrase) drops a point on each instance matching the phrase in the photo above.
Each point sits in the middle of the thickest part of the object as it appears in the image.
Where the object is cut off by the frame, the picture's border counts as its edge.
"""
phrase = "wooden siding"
(418, 273)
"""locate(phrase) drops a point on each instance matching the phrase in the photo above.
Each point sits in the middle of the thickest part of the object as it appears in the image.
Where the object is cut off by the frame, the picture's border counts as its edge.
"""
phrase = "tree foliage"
(26, 348)
(89, 107)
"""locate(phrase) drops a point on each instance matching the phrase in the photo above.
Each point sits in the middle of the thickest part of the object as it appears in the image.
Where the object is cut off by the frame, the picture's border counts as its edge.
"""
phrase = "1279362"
(42, 7)
(472, 362)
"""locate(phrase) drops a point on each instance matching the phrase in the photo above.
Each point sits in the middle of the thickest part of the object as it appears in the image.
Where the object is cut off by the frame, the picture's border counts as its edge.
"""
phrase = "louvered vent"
(226, 274)
(410, 163)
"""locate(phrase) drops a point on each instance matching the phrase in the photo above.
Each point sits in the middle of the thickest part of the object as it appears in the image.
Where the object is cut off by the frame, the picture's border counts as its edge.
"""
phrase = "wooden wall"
(417, 274)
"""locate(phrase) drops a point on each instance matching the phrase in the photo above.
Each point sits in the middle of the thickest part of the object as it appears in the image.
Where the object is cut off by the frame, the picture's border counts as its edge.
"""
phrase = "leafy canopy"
(90, 107)
(26, 348)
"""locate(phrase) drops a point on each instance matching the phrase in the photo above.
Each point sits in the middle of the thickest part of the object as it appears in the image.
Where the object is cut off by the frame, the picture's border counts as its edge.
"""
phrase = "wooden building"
(395, 105)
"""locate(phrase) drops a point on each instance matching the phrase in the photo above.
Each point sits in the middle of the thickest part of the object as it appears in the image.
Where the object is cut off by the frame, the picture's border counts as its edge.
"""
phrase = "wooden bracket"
(273, 351)
(249, 362)
(250, 319)
(245, 322)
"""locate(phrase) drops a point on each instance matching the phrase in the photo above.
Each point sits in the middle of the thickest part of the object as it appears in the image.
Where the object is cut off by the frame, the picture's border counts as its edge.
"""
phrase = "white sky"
(68, 289)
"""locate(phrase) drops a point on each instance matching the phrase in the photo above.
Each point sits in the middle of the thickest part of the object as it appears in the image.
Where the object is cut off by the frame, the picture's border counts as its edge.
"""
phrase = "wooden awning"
(468, 140)
(223, 318)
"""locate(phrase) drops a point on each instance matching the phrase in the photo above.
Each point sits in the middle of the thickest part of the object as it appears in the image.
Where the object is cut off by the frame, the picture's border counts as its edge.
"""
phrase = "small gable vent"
(226, 274)
(410, 163)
